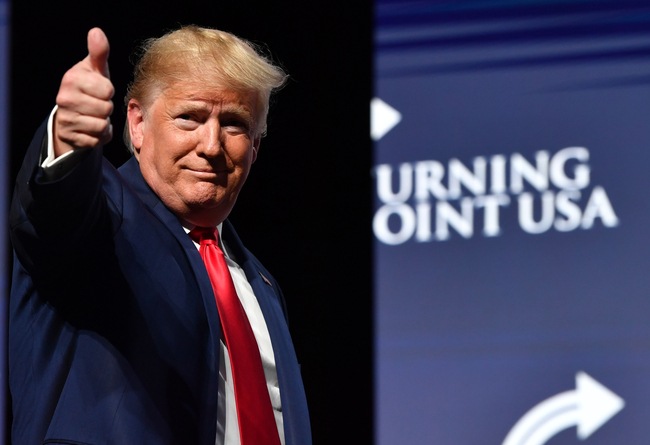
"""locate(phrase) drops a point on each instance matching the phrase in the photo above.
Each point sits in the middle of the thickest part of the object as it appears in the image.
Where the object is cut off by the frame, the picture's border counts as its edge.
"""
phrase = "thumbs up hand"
(84, 100)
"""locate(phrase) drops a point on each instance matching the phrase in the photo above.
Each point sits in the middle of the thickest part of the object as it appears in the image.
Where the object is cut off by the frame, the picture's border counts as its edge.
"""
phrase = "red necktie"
(254, 410)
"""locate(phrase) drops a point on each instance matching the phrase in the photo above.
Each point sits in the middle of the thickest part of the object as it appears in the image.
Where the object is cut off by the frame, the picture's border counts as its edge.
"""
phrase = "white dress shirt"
(227, 424)
(261, 332)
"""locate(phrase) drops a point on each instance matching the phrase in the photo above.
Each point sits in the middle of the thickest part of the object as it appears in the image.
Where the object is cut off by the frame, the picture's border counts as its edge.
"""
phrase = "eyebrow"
(239, 110)
(196, 104)
(200, 105)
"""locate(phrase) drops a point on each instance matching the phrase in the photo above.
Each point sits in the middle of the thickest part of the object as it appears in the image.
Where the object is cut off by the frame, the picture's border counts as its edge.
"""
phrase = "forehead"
(192, 95)
(197, 93)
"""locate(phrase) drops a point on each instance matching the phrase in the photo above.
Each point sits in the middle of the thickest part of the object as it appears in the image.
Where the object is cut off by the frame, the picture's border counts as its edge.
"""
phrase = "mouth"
(208, 176)
(205, 172)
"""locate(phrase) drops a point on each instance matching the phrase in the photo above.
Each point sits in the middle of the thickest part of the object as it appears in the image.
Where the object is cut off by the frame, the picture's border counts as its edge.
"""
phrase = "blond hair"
(217, 57)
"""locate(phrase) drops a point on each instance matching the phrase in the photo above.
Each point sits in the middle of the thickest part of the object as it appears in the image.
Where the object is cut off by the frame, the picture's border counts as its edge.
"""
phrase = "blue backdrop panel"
(511, 222)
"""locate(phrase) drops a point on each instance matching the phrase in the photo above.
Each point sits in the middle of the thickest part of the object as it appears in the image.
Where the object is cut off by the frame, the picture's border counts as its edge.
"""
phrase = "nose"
(212, 141)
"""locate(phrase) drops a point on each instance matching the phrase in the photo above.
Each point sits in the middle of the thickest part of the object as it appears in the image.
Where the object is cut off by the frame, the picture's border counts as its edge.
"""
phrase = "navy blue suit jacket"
(114, 332)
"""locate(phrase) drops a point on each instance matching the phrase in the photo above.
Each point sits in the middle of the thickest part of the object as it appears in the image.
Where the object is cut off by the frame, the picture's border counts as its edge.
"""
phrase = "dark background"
(305, 211)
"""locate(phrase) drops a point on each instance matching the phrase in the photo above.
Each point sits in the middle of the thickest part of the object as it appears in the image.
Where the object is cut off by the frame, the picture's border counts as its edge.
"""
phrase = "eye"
(232, 123)
(187, 121)
(237, 124)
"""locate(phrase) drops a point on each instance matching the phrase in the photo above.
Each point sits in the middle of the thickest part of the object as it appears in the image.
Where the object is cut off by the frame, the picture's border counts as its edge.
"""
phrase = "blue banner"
(511, 171)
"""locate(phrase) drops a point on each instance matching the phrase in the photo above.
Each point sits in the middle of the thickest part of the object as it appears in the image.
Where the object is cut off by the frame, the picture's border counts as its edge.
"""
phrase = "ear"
(135, 116)
(256, 146)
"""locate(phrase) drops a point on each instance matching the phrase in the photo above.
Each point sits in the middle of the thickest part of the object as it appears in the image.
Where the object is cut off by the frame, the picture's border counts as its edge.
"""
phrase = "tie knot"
(204, 234)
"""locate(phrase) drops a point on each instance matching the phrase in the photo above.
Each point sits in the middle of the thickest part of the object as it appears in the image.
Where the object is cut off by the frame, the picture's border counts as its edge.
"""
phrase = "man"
(124, 328)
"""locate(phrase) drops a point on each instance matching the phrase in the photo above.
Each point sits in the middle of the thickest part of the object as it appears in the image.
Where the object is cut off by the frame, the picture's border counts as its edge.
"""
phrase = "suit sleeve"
(53, 221)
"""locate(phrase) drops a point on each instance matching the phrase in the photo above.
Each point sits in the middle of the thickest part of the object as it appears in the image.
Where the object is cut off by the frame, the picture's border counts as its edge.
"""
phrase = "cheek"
(242, 173)
(157, 166)
(146, 158)
(168, 155)
(244, 157)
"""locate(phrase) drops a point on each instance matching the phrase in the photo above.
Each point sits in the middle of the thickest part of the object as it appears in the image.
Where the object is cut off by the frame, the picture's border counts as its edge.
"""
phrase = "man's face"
(195, 145)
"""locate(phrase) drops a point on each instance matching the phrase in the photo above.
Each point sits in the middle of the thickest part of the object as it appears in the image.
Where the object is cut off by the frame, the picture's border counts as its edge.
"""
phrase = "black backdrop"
(305, 211)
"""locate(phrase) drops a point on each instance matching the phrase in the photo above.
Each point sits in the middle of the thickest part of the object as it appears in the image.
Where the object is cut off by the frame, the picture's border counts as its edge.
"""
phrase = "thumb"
(98, 49)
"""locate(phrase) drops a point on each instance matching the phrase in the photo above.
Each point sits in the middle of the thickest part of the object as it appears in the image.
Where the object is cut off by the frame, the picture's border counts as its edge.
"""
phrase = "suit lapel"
(294, 405)
(130, 171)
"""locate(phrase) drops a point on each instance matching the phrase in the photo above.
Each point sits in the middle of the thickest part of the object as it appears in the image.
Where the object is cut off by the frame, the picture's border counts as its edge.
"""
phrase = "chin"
(208, 214)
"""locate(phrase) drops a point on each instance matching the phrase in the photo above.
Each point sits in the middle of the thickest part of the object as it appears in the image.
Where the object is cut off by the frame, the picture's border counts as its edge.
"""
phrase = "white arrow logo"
(383, 118)
(588, 407)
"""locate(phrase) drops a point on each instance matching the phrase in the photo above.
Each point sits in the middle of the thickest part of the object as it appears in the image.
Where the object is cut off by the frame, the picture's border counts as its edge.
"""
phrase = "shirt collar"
(187, 227)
